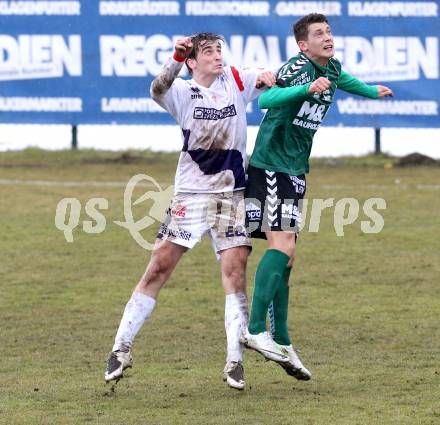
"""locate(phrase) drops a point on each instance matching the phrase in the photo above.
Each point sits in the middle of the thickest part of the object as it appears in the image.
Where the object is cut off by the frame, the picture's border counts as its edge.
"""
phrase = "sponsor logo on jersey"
(214, 114)
(178, 210)
(313, 115)
(196, 93)
(253, 212)
(290, 211)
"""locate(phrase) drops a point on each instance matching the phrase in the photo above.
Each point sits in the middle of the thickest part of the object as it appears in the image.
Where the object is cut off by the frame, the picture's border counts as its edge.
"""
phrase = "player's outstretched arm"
(171, 69)
(279, 96)
(384, 91)
(352, 85)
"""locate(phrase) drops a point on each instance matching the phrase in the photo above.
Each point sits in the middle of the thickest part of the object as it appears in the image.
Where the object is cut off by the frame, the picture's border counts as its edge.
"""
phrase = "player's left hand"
(385, 91)
(265, 79)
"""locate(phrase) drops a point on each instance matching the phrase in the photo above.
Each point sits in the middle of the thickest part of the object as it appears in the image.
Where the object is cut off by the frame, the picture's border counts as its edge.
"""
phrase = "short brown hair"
(301, 27)
(198, 40)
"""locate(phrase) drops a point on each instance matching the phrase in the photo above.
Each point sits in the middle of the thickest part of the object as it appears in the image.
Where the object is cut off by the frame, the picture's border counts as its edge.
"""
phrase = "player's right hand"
(320, 85)
(183, 47)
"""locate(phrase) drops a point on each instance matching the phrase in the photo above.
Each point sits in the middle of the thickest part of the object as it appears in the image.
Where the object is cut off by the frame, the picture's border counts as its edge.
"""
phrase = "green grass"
(364, 308)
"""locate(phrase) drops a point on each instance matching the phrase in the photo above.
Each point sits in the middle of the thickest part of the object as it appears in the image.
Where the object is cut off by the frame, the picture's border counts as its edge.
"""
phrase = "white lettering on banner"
(138, 56)
(393, 8)
(134, 55)
(228, 8)
(300, 8)
(389, 58)
(387, 107)
(253, 51)
(139, 8)
(379, 59)
(41, 104)
(39, 56)
(37, 7)
(129, 104)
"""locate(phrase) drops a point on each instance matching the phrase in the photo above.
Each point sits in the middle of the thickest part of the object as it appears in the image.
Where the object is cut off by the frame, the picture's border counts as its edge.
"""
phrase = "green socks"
(278, 310)
(270, 276)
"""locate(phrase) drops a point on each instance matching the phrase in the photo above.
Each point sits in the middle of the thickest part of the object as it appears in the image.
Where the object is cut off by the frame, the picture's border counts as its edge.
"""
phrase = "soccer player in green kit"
(276, 177)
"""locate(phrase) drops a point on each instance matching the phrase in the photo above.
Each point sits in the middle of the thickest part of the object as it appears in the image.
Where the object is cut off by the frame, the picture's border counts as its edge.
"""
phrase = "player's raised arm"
(171, 69)
(384, 91)
(352, 85)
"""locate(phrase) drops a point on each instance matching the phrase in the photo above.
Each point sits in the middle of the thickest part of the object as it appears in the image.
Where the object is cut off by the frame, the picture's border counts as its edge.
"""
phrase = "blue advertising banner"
(92, 61)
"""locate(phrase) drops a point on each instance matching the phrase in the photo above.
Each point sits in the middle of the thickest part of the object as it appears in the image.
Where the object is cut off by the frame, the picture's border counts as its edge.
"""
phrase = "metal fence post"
(74, 137)
(377, 147)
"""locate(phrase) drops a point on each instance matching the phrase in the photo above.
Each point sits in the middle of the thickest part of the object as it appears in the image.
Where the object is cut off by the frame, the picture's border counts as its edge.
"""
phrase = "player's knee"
(292, 256)
(234, 268)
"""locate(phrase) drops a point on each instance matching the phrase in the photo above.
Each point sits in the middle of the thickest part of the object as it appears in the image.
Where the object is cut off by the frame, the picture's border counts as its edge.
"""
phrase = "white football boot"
(265, 345)
(233, 375)
(117, 362)
(294, 366)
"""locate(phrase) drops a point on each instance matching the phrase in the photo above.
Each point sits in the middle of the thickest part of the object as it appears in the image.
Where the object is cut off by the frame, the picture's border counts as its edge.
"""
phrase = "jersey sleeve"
(281, 96)
(247, 78)
(166, 88)
(290, 70)
(352, 85)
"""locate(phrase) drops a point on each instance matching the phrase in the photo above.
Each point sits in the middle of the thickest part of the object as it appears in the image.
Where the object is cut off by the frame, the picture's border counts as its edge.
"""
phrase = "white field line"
(16, 182)
(7, 182)
(382, 187)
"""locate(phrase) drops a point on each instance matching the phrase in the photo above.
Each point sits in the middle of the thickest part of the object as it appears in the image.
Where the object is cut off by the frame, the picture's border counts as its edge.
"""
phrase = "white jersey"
(213, 123)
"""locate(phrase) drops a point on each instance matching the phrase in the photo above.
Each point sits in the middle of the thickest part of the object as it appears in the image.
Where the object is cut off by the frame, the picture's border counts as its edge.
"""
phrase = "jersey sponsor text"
(201, 113)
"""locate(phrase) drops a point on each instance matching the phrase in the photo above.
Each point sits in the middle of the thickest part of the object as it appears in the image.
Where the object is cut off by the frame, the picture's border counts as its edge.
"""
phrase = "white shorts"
(220, 215)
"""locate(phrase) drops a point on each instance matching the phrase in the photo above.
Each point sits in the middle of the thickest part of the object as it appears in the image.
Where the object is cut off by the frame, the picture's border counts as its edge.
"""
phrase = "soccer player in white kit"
(210, 109)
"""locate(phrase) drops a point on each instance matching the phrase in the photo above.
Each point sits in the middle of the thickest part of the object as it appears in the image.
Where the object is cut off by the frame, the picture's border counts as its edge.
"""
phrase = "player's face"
(209, 59)
(319, 45)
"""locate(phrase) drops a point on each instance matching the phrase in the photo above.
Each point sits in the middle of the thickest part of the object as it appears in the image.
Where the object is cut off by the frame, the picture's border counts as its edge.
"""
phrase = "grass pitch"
(364, 307)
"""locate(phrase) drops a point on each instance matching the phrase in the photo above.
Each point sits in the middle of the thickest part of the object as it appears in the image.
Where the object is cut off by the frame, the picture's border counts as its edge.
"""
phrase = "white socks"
(137, 311)
(236, 320)
(140, 307)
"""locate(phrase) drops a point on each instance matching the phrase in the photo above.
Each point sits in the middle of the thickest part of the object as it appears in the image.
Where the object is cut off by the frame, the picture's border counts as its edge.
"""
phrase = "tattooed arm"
(171, 69)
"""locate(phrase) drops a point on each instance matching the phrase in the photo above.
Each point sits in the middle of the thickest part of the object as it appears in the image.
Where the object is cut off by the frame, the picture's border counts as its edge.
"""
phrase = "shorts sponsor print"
(219, 215)
(273, 201)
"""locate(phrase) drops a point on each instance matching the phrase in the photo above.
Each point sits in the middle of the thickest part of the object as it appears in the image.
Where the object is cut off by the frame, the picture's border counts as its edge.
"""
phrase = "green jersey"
(285, 137)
